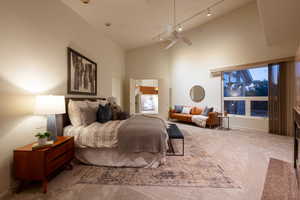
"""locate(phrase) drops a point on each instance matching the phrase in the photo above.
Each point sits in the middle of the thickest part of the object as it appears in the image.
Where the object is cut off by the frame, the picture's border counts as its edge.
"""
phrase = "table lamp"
(50, 106)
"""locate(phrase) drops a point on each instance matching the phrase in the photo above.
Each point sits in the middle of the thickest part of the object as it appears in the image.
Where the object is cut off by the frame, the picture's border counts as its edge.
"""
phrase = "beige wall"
(33, 60)
(236, 38)
(151, 62)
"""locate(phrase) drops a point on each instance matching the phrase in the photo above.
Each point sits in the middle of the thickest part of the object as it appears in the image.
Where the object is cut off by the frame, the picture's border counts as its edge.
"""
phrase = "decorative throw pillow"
(186, 110)
(123, 115)
(104, 113)
(88, 116)
(94, 105)
(115, 108)
(196, 111)
(178, 109)
(207, 110)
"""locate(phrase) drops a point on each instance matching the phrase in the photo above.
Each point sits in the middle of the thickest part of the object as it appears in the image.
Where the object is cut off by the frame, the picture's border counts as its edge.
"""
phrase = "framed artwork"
(82, 74)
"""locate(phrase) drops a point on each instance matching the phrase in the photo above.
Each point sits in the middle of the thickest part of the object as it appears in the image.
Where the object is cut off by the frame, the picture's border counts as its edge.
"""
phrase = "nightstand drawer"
(39, 164)
(60, 161)
(59, 150)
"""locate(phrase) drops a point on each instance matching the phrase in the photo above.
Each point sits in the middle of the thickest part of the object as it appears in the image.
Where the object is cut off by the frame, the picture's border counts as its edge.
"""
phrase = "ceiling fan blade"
(187, 41)
(172, 43)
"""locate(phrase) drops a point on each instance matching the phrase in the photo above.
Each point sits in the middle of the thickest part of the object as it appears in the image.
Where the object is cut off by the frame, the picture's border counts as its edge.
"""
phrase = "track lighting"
(208, 12)
(177, 27)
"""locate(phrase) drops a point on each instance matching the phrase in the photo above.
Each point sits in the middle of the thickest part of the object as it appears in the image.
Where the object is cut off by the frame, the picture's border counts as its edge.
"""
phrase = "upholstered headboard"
(64, 119)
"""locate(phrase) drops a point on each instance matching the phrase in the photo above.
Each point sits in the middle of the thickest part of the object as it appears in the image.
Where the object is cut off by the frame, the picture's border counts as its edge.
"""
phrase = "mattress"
(97, 144)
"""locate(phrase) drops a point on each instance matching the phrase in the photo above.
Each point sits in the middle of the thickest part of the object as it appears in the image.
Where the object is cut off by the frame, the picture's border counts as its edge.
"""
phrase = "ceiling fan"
(173, 31)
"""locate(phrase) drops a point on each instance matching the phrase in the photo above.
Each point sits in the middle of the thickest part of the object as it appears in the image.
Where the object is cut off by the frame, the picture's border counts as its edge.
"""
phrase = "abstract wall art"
(82, 74)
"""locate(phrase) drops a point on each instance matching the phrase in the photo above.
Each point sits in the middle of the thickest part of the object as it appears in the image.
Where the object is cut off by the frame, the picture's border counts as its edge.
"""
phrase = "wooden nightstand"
(39, 165)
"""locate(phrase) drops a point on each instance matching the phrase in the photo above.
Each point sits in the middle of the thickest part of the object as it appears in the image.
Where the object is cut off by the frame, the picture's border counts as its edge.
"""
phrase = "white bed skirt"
(114, 158)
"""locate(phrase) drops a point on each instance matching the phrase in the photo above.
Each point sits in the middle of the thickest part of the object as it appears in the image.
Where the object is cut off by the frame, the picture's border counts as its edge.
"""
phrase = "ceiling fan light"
(208, 12)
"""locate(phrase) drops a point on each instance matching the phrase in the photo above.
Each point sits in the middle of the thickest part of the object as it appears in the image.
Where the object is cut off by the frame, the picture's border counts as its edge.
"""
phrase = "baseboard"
(249, 129)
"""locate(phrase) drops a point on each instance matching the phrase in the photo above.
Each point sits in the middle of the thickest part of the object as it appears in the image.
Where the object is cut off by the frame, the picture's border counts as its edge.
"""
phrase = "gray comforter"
(142, 134)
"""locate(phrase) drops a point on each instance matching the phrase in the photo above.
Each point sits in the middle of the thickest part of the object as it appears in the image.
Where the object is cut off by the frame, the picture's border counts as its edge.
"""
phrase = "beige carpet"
(243, 155)
(195, 169)
(280, 182)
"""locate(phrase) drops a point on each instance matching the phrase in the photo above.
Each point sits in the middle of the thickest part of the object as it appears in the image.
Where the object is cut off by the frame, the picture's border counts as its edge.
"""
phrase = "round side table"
(221, 121)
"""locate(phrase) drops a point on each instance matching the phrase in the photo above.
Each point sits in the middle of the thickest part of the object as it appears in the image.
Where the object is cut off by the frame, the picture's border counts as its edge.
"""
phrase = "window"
(235, 107)
(259, 108)
(246, 92)
(246, 83)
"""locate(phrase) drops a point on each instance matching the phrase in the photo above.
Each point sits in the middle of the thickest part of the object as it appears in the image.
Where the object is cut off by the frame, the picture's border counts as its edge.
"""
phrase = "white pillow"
(74, 112)
(80, 113)
(186, 110)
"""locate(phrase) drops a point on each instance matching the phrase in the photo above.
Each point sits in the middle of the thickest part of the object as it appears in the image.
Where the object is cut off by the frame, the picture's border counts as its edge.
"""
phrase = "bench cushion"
(174, 132)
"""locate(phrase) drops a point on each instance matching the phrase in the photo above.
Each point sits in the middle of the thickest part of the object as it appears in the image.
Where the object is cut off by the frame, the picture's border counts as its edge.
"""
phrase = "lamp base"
(52, 127)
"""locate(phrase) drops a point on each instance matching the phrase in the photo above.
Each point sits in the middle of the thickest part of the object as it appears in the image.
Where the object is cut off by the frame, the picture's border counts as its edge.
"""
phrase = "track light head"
(179, 29)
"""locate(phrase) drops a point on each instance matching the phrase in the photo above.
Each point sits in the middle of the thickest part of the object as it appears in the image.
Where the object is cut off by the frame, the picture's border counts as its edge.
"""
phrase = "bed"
(140, 141)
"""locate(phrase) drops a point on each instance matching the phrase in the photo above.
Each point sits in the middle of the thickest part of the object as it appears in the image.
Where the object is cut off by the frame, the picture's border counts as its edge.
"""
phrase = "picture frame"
(82, 74)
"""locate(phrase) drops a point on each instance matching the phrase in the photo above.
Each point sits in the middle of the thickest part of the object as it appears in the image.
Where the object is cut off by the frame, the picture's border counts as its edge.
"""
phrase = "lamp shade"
(50, 105)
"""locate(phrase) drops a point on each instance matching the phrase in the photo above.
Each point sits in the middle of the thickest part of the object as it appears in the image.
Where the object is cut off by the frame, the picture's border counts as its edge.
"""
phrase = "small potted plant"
(42, 138)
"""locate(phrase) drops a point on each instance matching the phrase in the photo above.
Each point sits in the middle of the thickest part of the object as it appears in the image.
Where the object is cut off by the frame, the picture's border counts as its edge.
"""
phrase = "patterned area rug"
(281, 182)
(195, 169)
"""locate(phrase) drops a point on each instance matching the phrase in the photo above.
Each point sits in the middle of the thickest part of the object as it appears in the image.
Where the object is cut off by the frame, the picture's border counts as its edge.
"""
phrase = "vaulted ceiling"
(280, 20)
(136, 22)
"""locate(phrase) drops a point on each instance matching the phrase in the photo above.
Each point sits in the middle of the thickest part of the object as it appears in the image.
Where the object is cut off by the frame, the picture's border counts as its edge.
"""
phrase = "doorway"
(144, 96)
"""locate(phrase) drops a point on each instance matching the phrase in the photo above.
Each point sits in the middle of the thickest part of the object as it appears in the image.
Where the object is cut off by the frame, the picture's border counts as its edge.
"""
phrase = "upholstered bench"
(175, 134)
